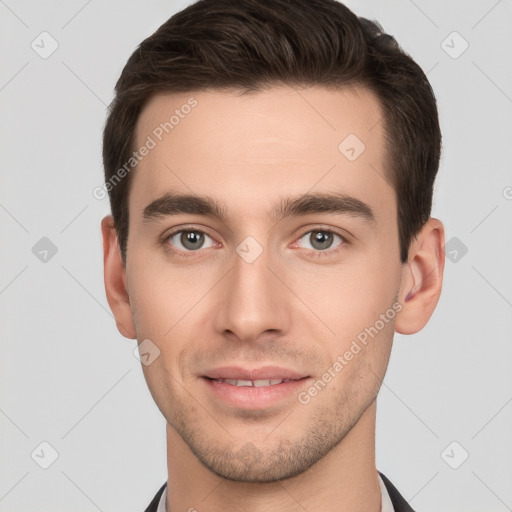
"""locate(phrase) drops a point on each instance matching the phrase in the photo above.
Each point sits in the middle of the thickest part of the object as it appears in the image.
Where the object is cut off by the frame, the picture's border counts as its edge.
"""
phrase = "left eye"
(190, 240)
(320, 240)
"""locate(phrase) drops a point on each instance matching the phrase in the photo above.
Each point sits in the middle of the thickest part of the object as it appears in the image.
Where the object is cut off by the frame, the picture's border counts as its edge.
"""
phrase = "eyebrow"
(334, 203)
(174, 204)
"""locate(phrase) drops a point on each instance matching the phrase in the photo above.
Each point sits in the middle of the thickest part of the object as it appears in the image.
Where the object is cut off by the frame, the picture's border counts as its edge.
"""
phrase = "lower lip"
(249, 397)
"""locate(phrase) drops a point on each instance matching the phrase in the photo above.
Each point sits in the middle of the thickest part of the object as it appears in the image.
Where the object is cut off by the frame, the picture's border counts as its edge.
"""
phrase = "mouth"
(258, 383)
(264, 373)
(253, 389)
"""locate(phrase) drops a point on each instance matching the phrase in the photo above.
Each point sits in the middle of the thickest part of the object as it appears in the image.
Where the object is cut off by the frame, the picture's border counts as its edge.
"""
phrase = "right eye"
(189, 240)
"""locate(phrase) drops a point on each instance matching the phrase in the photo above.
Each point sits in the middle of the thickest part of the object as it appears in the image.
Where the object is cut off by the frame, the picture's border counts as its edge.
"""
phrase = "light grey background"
(67, 376)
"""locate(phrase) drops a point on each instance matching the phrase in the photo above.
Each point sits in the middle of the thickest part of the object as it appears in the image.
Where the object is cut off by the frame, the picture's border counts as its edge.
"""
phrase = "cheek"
(162, 295)
(361, 361)
(350, 298)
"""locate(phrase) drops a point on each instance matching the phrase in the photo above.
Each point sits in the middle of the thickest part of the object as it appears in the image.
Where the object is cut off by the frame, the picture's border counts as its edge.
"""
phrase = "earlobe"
(115, 280)
(422, 279)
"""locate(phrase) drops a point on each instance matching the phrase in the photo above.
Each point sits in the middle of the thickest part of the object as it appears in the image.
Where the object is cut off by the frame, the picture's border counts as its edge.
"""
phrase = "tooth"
(244, 382)
(261, 382)
(256, 383)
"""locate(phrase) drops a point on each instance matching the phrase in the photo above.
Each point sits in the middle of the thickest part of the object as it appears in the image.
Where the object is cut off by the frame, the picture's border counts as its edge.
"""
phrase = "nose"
(254, 302)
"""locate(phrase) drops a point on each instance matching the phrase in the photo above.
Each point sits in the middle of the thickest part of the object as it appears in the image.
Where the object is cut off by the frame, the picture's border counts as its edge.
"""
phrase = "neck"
(344, 480)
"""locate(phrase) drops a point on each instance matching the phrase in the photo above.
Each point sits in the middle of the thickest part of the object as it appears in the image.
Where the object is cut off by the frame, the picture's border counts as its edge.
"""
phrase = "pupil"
(321, 239)
(192, 239)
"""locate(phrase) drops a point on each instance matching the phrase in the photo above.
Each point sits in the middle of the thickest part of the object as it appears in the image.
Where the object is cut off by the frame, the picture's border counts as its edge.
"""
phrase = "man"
(270, 168)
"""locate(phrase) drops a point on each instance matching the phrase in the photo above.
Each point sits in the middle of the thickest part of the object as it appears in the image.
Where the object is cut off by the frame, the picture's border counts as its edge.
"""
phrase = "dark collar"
(399, 503)
(153, 506)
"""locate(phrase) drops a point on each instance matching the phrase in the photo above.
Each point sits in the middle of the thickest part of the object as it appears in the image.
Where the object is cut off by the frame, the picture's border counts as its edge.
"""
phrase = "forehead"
(279, 141)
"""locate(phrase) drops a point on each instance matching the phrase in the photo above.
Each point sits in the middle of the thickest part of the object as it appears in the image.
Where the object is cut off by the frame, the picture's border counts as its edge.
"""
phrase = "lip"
(255, 398)
(264, 372)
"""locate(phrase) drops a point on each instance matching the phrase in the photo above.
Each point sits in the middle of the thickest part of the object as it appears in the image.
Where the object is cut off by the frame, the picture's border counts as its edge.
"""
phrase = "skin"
(294, 306)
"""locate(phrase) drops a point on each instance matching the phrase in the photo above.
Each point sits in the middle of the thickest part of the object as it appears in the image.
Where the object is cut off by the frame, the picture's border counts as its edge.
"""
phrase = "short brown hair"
(255, 44)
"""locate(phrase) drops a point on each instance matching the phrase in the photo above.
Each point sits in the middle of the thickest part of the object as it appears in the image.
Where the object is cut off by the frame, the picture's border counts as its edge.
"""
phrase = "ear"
(115, 280)
(422, 279)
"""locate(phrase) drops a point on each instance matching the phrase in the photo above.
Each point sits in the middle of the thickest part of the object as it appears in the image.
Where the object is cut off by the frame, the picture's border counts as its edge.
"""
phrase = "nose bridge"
(252, 301)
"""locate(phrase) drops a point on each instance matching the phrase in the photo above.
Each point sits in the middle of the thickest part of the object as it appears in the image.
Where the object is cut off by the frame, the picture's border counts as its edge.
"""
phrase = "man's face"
(269, 280)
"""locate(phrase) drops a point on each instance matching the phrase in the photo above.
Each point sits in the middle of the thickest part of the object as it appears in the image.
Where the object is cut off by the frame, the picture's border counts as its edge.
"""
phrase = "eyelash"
(315, 253)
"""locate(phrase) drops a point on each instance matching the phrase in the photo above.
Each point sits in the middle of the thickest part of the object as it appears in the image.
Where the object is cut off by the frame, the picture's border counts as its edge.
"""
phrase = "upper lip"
(262, 373)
